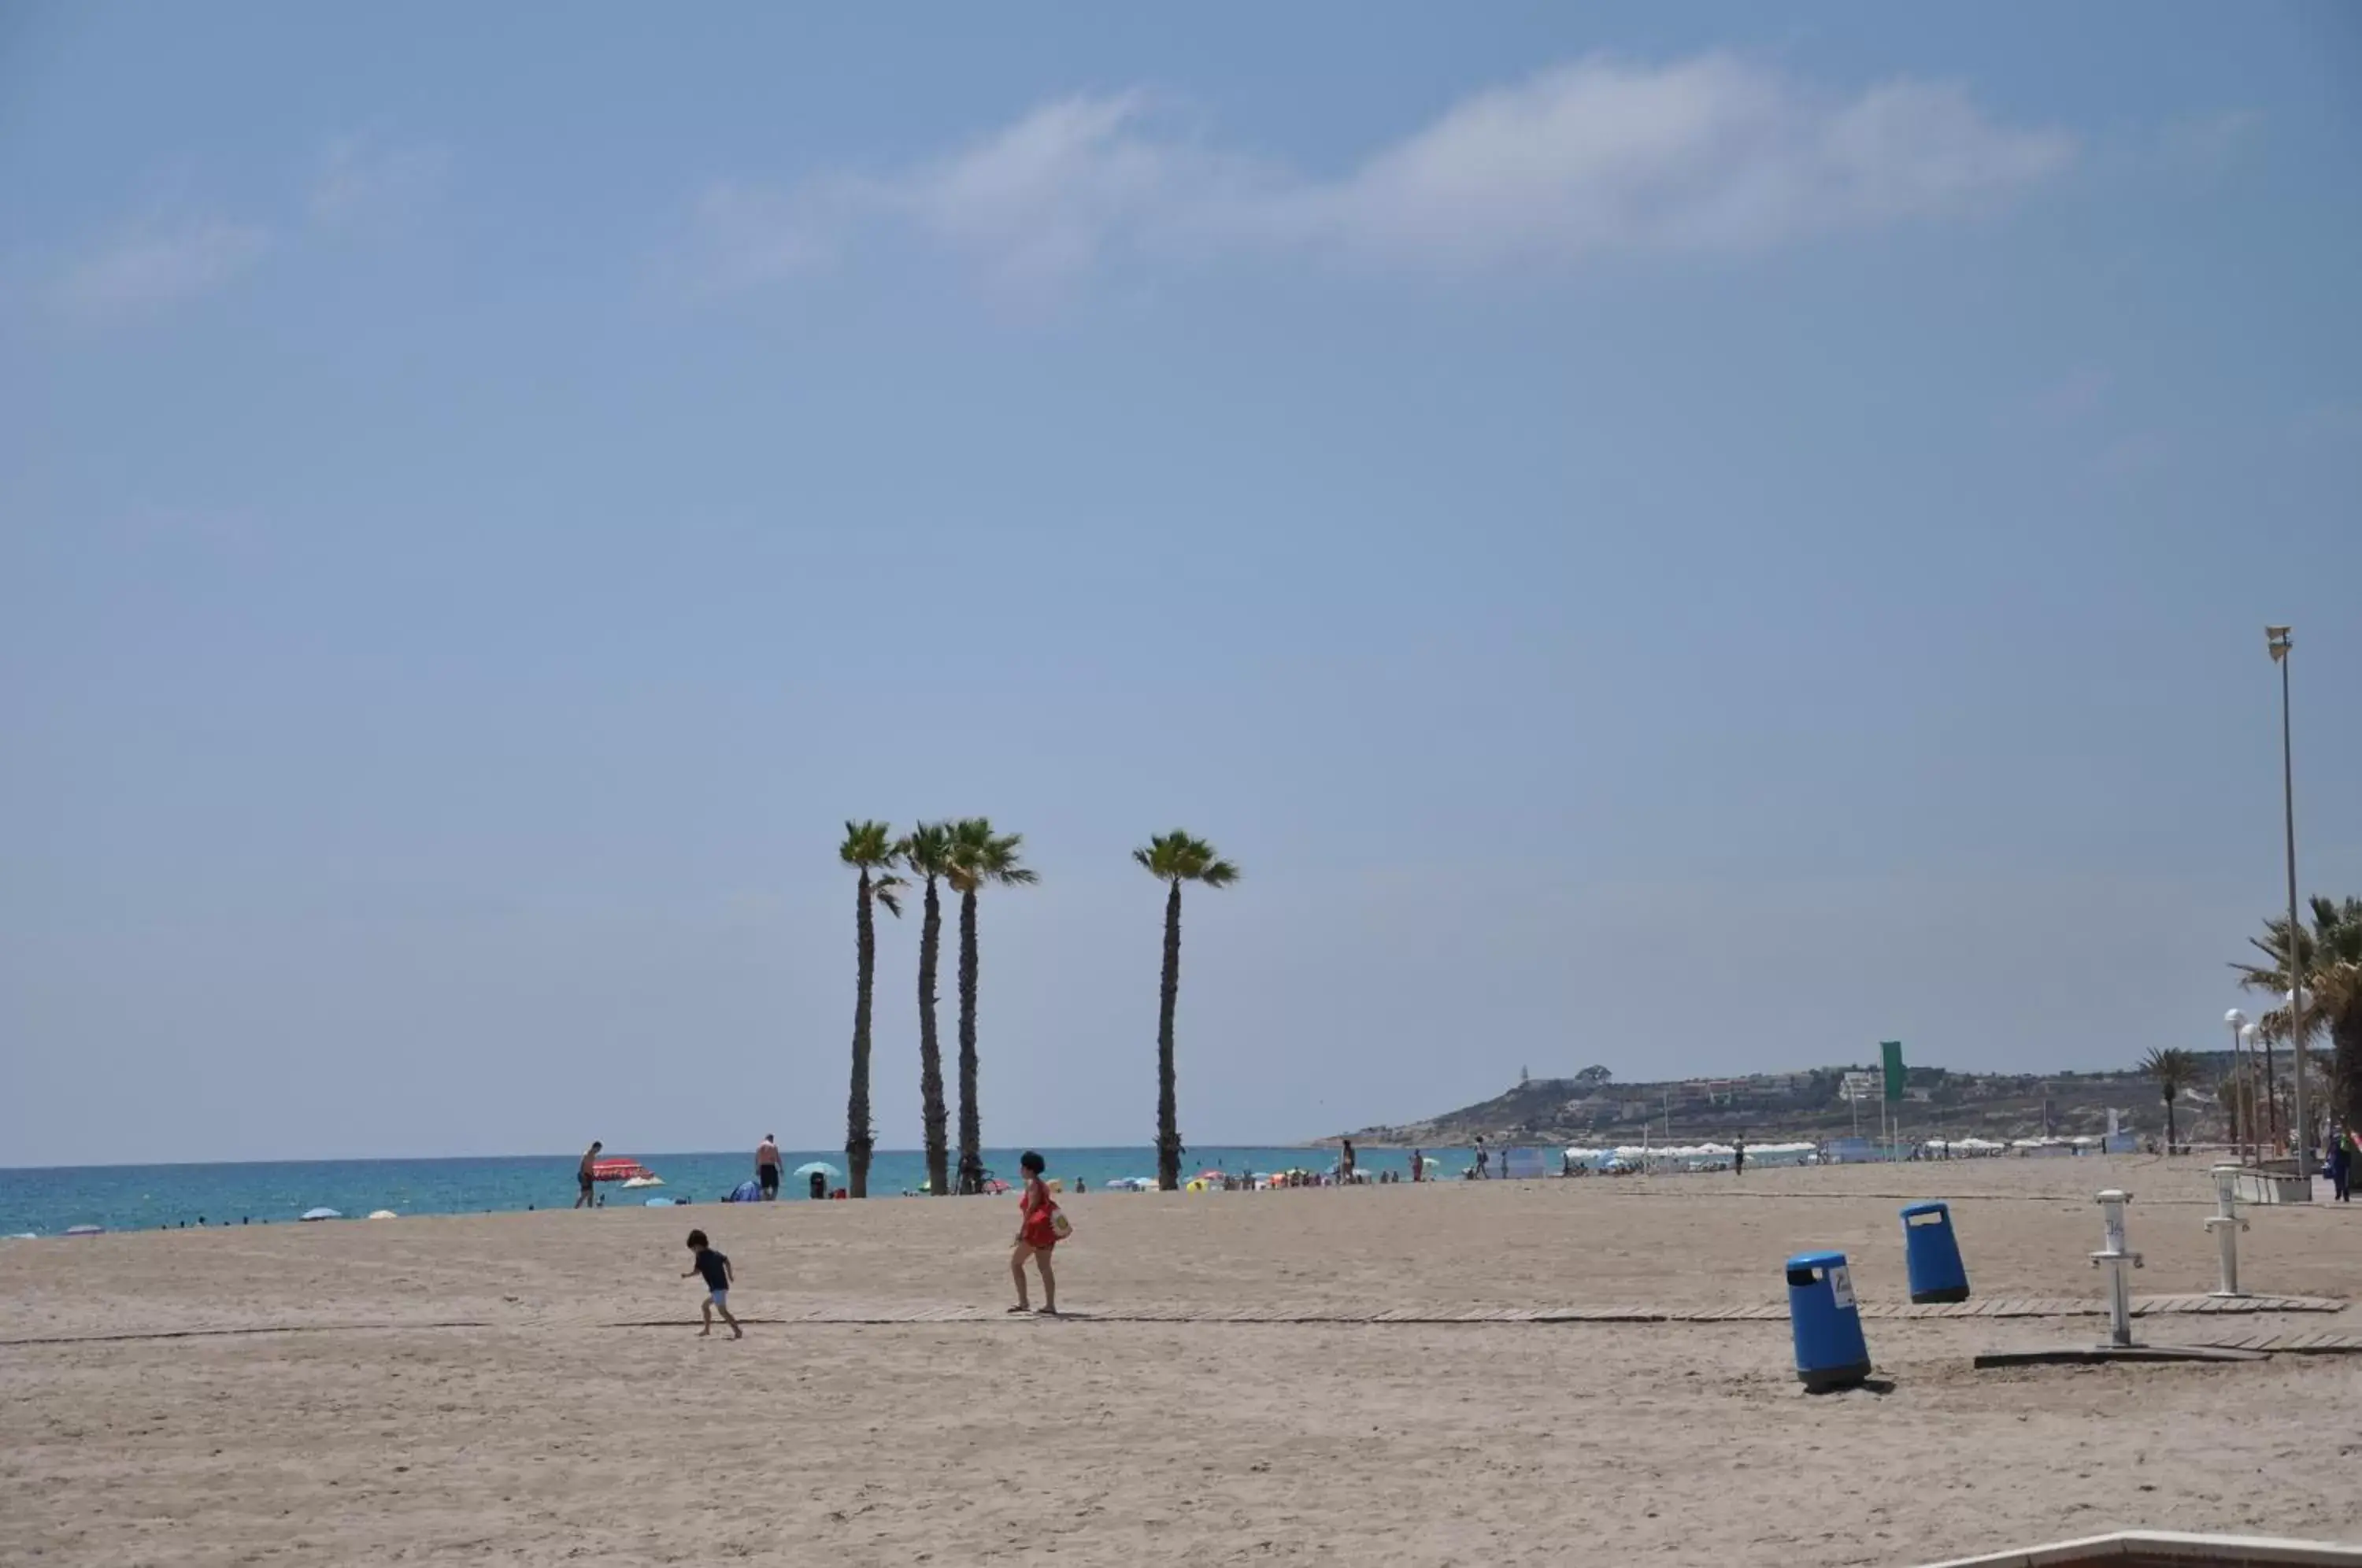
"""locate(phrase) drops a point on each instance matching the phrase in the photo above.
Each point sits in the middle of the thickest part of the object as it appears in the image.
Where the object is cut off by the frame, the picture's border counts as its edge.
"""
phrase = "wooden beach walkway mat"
(2287, 1344)
(2092, 1307)
(1311, 1314)
(901, 1315)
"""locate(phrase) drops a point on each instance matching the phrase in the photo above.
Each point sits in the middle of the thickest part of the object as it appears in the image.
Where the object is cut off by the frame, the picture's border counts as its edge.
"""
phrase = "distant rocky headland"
(1594, 1107)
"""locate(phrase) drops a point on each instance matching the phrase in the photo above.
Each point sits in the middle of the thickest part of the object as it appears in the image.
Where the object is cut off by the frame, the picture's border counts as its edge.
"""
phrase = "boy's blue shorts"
(719, 1297)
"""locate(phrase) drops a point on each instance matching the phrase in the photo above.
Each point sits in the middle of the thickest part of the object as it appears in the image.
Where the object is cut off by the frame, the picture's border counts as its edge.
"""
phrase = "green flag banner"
(1891, 1055)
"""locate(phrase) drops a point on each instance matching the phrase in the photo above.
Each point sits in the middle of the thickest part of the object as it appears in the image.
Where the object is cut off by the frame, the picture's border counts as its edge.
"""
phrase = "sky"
(1694, 539)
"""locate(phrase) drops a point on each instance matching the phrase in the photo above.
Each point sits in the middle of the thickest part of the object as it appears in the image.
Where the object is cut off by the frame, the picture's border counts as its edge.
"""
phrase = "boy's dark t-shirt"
(715, 1268)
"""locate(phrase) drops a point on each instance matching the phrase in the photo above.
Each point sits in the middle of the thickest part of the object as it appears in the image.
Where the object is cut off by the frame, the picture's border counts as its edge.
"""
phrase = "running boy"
(716, 1268)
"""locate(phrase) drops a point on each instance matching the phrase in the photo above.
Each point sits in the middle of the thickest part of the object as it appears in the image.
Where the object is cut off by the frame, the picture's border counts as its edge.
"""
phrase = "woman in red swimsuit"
(1037, 1233)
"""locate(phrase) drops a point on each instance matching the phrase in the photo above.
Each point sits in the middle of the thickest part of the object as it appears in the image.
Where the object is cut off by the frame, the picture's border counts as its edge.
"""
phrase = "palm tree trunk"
(2346, 1067)
(930, 1055)
(1168, 1121)
(2172, 1134)
(2271, 1096)
(971, 1115)
(858, 1135)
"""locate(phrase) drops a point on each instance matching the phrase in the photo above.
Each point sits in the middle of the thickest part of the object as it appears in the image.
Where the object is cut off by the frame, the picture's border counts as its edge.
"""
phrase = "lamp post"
(2236, 1022)
(2247, 1037)
(2279, 642)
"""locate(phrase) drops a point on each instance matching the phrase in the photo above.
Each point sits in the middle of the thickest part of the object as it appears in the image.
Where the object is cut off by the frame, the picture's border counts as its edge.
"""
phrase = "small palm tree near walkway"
(2331, 957)
(869, 848)
(2173, 1070)
(1173, 858)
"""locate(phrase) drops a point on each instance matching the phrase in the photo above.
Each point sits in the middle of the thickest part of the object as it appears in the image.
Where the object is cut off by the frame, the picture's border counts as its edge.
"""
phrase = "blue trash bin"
(1826, 1322)
(1933, 1253)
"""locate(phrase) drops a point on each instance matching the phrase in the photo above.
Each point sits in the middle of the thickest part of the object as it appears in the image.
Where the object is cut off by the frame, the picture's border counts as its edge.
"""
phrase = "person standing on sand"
(1037, 1234)
(1483, 1159)
(584, 1175)
(1345, 1164)
(766, 1166)
(1418, 1165)
(1739, 1157)
(2341, 1167)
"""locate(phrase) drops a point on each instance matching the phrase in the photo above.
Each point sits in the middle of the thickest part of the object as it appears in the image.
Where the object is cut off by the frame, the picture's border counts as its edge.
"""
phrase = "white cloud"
(1716, 154)
(161, 266)
(361, 181)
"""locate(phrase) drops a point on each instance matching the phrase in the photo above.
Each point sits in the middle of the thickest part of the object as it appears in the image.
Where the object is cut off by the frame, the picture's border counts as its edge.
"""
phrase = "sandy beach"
(530, 1388)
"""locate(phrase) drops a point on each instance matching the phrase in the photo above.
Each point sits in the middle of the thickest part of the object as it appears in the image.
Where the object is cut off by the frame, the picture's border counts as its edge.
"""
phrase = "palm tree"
(868, 848)
(1173, 858)
(979, 858)
(2238, 1098)
(2330, 958)
(2174, 1070)
(928, 855)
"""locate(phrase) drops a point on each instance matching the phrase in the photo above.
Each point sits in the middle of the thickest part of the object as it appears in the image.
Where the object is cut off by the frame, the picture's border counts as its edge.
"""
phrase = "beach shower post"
(2226, 1226)
(2118, 1260)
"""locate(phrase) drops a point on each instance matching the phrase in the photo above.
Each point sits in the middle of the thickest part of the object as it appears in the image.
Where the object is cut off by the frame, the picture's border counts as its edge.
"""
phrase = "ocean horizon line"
(626, 1153)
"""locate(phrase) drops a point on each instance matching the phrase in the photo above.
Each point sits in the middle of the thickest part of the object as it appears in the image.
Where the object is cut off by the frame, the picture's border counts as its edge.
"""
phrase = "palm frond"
(868, 845)
(927, 852)
(2173, 1068)
(1176, 856)
(980, 857)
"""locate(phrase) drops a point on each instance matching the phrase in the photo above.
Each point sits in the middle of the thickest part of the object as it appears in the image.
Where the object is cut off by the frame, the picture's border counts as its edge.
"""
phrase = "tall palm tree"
(869, 848)
(2174, 1070)
(979, 858)
(2238, 1098)
(2330, 957)
(1173, 858)
(928, 855)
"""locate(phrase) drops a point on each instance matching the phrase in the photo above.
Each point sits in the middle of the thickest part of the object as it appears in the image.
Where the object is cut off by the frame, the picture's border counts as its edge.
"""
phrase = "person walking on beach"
(584, 1175)
(1037, 1234)
(1739, 1157)
(2341, 1167)
(1418, 1165)
(766, 1166)
(1483, 1159)
(716, 1268)
(1345, 1162)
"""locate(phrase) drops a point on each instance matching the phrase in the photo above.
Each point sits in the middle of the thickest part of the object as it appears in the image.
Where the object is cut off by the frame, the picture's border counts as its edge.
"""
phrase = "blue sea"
(46, 1201)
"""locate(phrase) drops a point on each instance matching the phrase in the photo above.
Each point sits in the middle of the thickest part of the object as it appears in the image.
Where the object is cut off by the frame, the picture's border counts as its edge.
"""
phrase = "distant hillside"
(1594, 1107)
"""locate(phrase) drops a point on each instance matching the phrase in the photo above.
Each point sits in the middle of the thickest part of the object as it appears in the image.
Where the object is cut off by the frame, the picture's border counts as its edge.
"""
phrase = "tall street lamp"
(2247, 1035)
(2235, 1021)
(2279, 642)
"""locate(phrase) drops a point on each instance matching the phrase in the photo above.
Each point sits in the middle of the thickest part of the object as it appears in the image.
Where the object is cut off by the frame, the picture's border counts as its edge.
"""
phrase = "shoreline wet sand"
(539, 1425)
